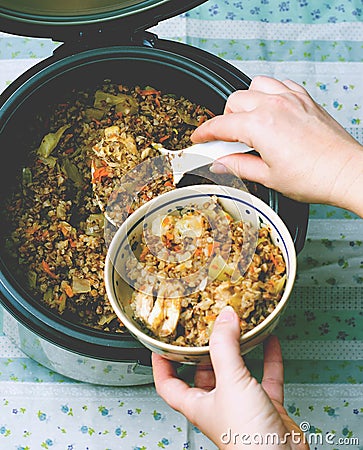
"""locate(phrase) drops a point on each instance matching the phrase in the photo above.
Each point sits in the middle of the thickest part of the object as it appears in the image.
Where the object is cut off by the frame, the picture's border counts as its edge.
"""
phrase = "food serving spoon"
(198, 155)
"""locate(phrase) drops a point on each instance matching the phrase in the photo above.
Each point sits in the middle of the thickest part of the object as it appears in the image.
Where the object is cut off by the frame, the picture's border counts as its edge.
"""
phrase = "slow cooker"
(101, 39)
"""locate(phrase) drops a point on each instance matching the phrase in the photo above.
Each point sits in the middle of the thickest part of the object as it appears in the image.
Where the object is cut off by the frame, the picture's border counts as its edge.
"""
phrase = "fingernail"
(226, 315)
(218, 167)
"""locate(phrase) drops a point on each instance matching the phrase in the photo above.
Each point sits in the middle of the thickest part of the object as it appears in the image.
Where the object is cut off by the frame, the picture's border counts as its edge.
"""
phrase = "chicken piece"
(161, 315)
(172, 308)
(156, 316)
(142, 305)
(164, 316)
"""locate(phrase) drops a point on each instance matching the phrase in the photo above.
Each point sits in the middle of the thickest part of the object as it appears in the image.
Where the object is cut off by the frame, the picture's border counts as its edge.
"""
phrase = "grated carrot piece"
(99, 173)
(48, 271)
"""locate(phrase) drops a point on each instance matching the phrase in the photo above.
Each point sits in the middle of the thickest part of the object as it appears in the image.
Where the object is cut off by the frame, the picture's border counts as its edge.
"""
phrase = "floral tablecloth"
(320, 45)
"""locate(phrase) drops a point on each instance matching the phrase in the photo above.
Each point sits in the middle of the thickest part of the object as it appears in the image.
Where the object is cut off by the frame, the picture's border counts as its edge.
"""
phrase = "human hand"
(305, 153)
(228, 404)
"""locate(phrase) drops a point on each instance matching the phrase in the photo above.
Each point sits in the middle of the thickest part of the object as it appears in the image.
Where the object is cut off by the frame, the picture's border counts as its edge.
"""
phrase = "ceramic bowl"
(242, 206)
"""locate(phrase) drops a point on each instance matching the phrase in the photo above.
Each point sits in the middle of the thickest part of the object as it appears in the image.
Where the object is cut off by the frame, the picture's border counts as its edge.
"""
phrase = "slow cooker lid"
(46, 18)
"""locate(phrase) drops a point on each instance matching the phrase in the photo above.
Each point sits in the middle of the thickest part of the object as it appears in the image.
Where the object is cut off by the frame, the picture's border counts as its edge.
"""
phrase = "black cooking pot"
(142, 59)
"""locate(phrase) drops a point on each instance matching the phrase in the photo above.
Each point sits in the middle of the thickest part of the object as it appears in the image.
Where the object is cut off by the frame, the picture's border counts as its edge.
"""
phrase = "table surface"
(320, 45)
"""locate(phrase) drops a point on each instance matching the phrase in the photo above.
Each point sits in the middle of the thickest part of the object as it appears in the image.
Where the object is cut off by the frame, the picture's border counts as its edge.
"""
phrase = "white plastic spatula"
(198, 155)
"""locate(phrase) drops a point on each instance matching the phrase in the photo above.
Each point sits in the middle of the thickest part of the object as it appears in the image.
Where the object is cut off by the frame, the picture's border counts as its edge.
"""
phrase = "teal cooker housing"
(102, 39)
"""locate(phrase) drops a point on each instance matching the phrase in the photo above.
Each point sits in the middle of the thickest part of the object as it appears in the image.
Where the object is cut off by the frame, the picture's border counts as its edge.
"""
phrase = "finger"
(166, 380)
(175, 392)
(273, 370)
(268, 85)
(260, 88)
(246, 167)
(295, 86)
(229, 127)
(247, 100)
(204, 378)
(225, 352)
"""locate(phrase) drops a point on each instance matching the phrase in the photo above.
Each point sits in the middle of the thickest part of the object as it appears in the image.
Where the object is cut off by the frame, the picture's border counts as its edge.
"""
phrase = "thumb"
(245, 166)
(224, 347)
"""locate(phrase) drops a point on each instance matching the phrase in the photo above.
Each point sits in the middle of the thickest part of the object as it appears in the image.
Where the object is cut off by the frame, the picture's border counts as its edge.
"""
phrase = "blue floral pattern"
(269, 11)
(320, 45)
(24, 427)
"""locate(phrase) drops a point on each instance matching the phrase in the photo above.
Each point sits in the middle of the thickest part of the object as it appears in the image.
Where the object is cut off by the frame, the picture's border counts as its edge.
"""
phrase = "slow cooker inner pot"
(52, 85)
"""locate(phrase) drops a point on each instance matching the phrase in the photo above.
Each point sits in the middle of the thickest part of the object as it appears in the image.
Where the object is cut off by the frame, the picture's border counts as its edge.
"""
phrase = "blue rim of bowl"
(254, 205)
